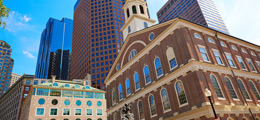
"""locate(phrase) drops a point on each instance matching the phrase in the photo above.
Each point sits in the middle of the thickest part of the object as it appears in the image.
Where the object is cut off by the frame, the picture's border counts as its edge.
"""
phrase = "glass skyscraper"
(96, 38)
(55, 50)
(6, 66)
(203, 12)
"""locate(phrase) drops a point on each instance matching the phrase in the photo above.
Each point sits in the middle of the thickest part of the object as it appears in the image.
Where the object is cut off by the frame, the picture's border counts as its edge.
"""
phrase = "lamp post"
(208, 95)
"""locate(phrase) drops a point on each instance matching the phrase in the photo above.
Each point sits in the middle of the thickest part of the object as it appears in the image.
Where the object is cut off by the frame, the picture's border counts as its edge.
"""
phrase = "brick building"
(162, 72)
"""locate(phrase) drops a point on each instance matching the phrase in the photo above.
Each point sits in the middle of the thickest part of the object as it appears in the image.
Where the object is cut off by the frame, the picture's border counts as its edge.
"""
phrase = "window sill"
(222, 98)
(167, 111)
(185, 104)
(153, 115)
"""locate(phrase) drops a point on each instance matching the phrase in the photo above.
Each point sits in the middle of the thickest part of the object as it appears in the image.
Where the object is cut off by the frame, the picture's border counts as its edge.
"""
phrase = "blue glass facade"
(55, 50)
(203, 12)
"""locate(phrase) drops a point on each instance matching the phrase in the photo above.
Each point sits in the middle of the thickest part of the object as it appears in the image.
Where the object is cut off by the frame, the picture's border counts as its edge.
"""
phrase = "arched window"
(165, 100)
(129, 29)
(147, 74)
(67, 85)
(141, 110)
(243, 89)
(120, 92)
(89, 119)
(145, 25)
(158, 66)
(180, 93)
(230, 88)
(113, 96)
(211, 40)
(128, 13)
(171, 57)
(55, 84)
(216, 86)
(134, 10)
(132, 54)
(127, 85)
(196, 35)
(142, 9)
(137, 83)
(254, 90)
(152, 105)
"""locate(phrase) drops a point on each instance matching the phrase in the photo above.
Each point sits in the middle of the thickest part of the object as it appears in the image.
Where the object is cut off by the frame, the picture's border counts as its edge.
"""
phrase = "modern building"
(6, 66)
(55, 50)
(15, 77)
(203, 12)
(163, 71)
(96, 38)
(64, 100)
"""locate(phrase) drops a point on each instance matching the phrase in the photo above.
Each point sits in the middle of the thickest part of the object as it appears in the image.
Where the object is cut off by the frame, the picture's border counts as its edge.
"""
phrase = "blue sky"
(28, 19)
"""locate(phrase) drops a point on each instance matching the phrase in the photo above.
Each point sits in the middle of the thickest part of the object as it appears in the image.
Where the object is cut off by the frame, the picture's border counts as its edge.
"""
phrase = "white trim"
(247, 59)
(253, 53)
(231, 59)
(242, 62)
(212, 40)
(150, 106)
(232, 87)
(233, 47)
(243, 50)
(138, 81)
(198, 35)
(255, 89)
(63, 112)
(150, 35)
(156, 69)
(139, 108)
(184, 104)
(165, 111)
(127, 94)
(101, 112)
(149, 75)
(91, 111)
(119, 92)
(53, 108)
(214, 50)
(43, 111)
(250, 99)
(75, 112)
(220, 98)
(224, 44)
(113, 102)
(200, 46)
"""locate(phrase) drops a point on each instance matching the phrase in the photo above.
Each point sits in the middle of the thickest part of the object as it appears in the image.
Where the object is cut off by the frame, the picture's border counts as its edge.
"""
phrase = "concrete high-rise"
(6, 66)
(203, 12)
(96, 38)
(15, 77)
(55, 50)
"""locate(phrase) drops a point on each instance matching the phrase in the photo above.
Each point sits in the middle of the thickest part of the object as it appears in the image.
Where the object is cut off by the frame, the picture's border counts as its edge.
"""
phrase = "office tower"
(55, 50)
(6, 66)
(96, 38)
(203, 12)
(15, 77)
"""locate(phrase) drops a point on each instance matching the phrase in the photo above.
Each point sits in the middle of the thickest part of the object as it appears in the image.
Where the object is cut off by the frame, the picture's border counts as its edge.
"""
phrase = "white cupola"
(136, 17)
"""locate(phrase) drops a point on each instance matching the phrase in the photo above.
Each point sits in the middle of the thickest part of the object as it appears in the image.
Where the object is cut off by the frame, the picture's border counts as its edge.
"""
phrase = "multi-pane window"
(54, 92)
(165, 100)
(120, 92)
(218, 58)
(258, 64)
(133, 53)
(233, 47)
(35, 82)
(223, 44)
(40, 111)
(128, 89)
(89, 112)
(230, 60)
(147, 74)
(137, 83)
(158, 66)
(42, 92)
(141, 110)
(197, 36)
(27, 88)
(171, 57)
(180, 93)
(113, 96)
(54, 111)
(99, 95)
(251, 64)
(28, 82)
(254, 90)
(66, 93)
(66, 111)
(241, 62)
(211, 40)
(78, 94)
(204, 54)
(216, 86)
(89, 95)
(25, 95)
(230, 88)
(243, 89)
(152, 105)
(99, 111)
(173, 63)
(77, 111)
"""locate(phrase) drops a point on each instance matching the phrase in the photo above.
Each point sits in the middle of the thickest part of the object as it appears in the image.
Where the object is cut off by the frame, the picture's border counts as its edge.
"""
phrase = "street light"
(208, 95)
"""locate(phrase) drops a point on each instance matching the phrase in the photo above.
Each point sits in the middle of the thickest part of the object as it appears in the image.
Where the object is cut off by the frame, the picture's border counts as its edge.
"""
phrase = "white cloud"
(18, 22)
(28, 54)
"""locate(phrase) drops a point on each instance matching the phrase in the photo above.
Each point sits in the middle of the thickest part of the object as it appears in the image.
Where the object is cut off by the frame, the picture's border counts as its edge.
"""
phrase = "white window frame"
(43, 111)
(219, 87)
(129, 87)
(139, 109)
(200, 46)
(150, 106)
(214, 50)
(165, 111)
(209, 38)
(255, 71)
(54, 108)
(253, 53)
(243, 50)
(257, 62)
(232, 60)
(224, 44)
(198, 35)
(75, 112)
(234, 47)
(233, 89)
(185, 104)
(63, 111)
(119, 93)
(156, 69)
(145, 76)
(138, 80)
(97, 112)
(242, 61)
(250, 99)
(255, 89)
(91, 111)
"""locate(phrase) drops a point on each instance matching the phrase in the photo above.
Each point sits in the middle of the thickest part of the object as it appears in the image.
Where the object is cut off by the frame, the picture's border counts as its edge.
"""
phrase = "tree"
(4, 12)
